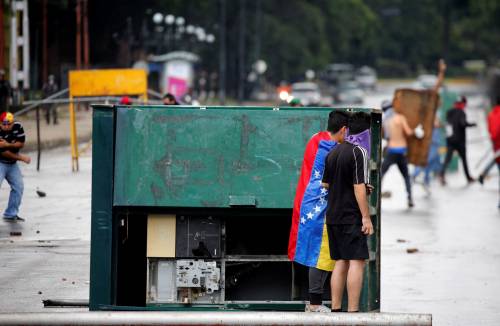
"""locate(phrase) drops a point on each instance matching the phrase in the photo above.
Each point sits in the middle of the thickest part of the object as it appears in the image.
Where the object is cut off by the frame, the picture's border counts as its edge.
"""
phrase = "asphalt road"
(453, 275)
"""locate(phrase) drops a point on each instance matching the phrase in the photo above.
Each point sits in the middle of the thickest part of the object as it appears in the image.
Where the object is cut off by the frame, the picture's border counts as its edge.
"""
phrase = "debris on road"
(411, 250)
(40, 193)
(16, 233)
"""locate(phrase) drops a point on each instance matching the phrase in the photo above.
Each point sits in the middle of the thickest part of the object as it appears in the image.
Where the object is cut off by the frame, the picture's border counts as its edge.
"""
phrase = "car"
(337, 73)
(307, 93)
(366, 78)
(349, 93)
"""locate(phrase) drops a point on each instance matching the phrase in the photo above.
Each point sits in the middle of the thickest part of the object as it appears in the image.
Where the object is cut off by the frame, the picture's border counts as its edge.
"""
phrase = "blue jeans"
(12, 174)
(433, 165)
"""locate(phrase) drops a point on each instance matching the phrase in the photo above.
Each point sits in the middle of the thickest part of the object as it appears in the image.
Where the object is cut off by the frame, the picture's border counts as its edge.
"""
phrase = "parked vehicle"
(337, 73)
(366, 78)
(307, 92)
(349, 93)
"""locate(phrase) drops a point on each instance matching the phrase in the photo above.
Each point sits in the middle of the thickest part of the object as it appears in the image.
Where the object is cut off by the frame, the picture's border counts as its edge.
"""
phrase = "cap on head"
(7, 118)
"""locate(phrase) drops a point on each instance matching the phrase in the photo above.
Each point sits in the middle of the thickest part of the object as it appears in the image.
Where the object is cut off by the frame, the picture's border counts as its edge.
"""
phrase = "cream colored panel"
(161, 236)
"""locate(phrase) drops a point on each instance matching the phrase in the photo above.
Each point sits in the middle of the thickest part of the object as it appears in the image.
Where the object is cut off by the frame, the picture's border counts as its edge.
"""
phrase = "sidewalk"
(55, 135)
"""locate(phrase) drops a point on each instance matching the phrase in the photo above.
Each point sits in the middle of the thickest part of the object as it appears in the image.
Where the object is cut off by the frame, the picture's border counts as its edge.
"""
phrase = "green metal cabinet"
(224, 174)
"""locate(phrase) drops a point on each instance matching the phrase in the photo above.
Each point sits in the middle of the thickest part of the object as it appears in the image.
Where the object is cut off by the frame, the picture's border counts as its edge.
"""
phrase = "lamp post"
(180, 29)
(158, 20)
(169, 20)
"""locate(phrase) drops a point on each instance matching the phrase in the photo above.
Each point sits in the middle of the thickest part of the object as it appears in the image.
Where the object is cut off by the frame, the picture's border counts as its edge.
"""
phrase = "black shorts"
(347, 242)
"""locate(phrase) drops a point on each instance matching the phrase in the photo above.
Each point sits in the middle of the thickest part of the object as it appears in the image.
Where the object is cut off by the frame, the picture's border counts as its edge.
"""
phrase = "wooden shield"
(418, 106)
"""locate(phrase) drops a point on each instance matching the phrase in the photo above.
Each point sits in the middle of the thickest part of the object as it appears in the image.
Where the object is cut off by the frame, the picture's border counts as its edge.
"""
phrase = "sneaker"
(471, 180)
(410, 203)
(320, 308)
(14, 218)
(481, 179)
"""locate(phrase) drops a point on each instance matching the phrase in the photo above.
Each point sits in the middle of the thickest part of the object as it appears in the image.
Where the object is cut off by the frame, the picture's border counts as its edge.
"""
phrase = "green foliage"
(399, 37)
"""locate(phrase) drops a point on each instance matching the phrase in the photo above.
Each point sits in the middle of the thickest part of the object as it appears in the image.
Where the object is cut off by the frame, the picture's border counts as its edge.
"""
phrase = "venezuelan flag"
(308, 242)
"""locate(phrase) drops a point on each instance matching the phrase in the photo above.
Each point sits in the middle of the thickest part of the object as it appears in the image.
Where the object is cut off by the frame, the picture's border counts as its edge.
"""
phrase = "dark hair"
(170, 97)
(359, 122)
(337, 120)
(498, 100)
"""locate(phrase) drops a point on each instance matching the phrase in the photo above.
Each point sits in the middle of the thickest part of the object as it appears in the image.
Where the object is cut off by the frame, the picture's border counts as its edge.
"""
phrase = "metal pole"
(258, 10)
(86, 49)
(2, 38)
(241, 53)
(35, 103)
(73, 137)
(222, 53)
(214, 318)
(38, 145)
(78, 34)
(45, 58)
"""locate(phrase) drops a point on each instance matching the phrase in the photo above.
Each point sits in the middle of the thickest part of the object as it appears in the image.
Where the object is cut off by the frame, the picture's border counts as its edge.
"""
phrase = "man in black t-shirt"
(347, 216)
(12, 139)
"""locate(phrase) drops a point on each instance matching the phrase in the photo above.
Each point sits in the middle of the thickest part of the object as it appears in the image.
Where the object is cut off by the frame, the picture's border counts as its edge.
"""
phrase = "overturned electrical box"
(192, 206)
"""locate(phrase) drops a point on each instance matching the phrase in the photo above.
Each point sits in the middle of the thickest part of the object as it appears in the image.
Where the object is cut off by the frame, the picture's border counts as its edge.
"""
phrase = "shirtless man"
(399, 131)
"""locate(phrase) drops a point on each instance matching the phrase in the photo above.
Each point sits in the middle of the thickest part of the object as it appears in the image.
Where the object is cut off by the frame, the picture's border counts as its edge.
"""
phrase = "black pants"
(402, 163)
(317, 278)
(50, 109)
(462, 152)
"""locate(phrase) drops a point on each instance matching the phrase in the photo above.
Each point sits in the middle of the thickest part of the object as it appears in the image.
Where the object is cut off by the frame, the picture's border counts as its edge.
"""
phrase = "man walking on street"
(397, 148)
(347, 217)
(12, 139)
(456, 138)
(399, 130)
(50, 88)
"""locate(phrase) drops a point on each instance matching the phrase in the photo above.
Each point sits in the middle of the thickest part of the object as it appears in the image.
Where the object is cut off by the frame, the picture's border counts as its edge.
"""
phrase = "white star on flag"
(317, 209)
(317, 174)
(322, 200)
(303, 220)
(323, 191)
(310, 215)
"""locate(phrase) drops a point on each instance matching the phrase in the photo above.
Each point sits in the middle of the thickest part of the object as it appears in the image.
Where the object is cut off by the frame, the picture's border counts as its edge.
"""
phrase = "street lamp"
(201, 37)
(210, 38)
(190, 29)
(157, 18)
(169, 19)
(179, 21)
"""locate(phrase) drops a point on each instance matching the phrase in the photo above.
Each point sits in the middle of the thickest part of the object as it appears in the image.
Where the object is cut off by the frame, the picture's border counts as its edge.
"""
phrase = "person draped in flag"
(348, 221)
(308, 243)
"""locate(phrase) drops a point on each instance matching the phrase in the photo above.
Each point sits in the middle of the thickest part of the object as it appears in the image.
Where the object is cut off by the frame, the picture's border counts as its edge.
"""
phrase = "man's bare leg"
(354, 283)
(339, 276)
